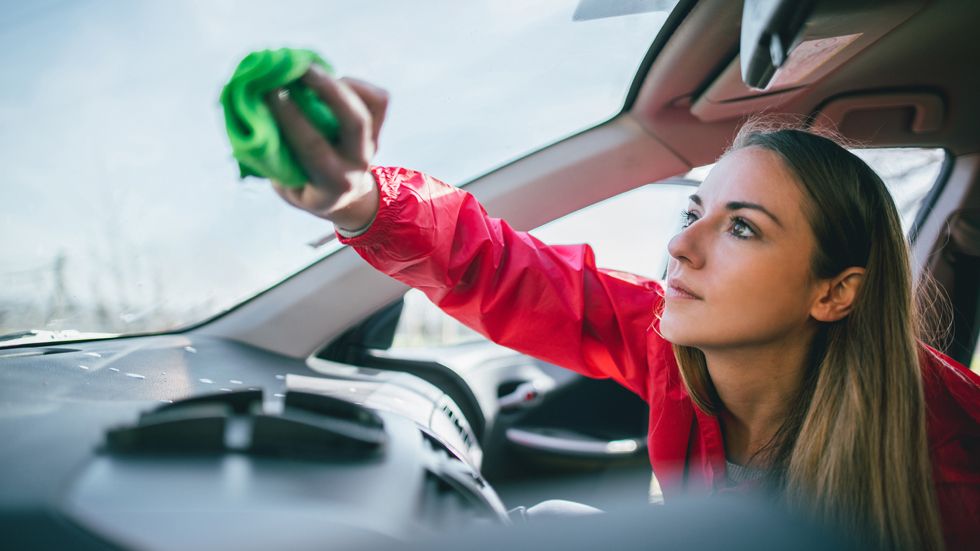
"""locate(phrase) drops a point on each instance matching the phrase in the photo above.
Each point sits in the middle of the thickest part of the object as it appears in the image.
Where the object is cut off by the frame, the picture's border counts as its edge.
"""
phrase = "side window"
(975, 363)
(423, 325)
(628, 232)
(909, 174)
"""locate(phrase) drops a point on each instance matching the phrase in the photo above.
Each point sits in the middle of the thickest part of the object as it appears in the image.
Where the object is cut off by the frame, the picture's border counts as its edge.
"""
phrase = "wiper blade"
(18, 334)
(33, 336)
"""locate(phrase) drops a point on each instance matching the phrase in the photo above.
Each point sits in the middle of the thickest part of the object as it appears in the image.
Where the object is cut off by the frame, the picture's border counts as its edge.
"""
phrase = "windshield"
(122, 211)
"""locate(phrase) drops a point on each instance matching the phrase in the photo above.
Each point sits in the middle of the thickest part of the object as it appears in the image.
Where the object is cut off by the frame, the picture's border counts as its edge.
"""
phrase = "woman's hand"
(341, 189)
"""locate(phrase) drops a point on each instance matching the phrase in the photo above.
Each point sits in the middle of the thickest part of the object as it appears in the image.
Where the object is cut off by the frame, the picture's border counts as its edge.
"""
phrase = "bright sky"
(115, 155)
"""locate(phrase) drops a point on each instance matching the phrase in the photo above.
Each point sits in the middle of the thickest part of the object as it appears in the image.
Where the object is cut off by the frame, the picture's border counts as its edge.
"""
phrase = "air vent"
(462, 427)
(236, 422)
(454, 490)
(442, 505)
(439, 445)
(448, 457)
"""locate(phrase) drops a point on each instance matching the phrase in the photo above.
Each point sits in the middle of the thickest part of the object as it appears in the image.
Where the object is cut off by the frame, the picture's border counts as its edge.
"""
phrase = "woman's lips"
(676, 289)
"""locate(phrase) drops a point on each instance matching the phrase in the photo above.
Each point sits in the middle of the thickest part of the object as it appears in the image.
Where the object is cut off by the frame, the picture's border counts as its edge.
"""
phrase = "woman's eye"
(741, 229)
(687, 218)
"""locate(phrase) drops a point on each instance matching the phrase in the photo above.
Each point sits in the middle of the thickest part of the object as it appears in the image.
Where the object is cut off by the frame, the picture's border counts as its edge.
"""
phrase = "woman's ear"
(836, 296)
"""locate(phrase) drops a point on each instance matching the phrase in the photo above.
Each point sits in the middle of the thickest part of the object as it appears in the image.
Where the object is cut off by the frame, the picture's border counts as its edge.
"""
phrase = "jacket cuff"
(388, 182)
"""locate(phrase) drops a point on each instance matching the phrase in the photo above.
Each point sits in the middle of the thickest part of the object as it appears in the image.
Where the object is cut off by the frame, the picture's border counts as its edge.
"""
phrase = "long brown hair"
(853, 448)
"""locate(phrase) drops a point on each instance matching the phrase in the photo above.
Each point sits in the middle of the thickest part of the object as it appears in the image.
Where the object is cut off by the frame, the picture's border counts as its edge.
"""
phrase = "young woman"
(783, 352)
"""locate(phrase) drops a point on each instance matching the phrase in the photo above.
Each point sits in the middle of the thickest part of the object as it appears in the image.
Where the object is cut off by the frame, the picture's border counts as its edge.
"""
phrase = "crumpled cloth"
(256, 142)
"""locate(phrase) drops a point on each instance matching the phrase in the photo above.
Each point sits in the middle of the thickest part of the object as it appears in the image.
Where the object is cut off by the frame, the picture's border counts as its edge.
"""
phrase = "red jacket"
(551, 302)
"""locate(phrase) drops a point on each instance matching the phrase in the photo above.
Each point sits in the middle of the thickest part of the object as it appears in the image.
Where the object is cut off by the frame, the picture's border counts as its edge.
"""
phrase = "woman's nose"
(685, 247)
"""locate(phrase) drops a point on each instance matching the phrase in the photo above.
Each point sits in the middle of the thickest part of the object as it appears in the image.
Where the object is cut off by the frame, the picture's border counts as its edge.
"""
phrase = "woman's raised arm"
(550, 302)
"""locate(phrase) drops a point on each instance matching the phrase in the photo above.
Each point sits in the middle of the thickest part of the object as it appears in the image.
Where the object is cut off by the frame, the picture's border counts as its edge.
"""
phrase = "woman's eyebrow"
(738, 205)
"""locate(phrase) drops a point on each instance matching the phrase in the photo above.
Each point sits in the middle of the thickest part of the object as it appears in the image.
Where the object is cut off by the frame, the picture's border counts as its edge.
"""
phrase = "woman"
(782, 354)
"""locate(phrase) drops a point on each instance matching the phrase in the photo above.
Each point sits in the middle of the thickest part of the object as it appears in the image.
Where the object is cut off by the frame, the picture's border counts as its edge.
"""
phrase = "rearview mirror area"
(770, 28)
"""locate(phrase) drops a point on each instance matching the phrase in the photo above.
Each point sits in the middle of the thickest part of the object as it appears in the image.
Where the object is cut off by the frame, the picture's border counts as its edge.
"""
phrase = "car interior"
(295, 419)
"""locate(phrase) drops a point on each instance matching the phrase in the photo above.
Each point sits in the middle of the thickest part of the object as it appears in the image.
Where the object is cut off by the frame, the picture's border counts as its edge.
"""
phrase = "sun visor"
(832, 33)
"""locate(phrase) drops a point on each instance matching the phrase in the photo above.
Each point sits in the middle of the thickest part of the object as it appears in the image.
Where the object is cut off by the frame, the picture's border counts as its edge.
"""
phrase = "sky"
(120, 206)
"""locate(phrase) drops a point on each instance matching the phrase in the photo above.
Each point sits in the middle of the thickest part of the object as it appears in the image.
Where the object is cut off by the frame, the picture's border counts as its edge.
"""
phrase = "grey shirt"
(739, 474)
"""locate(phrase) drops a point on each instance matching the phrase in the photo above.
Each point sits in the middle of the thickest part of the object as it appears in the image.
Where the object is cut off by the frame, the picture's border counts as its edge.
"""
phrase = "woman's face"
(739, 274)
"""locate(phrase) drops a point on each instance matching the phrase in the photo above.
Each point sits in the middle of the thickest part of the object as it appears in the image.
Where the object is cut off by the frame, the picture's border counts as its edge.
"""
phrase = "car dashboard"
(185, 442)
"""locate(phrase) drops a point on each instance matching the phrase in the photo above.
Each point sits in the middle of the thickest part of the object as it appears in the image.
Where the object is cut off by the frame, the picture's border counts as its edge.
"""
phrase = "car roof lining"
(706, 43)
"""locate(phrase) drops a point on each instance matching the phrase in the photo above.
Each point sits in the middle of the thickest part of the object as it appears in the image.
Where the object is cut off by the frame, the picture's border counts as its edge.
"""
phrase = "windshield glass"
(122, 211)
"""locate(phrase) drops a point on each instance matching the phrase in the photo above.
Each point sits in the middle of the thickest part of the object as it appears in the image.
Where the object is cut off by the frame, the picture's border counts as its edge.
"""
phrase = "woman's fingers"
(376, 100)
(354, 117)
(314, 154)
(288, 194)
(336, 171)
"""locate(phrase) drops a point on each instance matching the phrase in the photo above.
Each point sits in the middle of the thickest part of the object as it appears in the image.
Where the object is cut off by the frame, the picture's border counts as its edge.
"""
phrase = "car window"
(975, 363)
(629, 232)
(121, 210)
(909, 174)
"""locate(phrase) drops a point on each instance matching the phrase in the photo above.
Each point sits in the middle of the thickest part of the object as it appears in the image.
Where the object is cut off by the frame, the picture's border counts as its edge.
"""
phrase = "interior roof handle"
(928, 109)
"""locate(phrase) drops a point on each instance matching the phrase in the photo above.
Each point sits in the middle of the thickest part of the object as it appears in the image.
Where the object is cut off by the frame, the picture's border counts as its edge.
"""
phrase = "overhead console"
(787, 45)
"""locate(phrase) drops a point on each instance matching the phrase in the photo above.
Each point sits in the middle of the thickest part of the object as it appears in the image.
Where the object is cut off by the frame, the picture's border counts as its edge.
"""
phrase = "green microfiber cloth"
(256, 142)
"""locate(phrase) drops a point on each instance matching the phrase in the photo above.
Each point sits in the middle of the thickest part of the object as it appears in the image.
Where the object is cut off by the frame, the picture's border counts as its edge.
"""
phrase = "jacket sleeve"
(550, 302)
(953, 423)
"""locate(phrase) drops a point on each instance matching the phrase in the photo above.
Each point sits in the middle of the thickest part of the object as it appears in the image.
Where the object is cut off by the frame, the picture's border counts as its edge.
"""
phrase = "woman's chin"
(672, 330)
(681, 331)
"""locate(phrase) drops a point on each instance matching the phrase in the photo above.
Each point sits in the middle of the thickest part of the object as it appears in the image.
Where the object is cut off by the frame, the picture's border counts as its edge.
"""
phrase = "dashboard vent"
(462, 427)
(454, 491)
